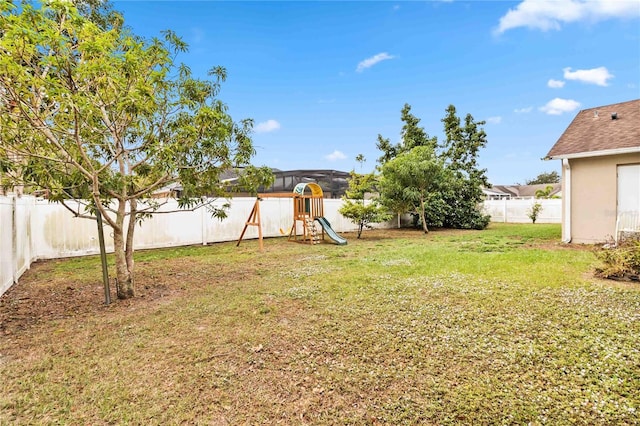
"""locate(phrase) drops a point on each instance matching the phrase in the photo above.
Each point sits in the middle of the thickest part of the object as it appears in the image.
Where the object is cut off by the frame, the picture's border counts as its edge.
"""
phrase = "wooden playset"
(308, 208)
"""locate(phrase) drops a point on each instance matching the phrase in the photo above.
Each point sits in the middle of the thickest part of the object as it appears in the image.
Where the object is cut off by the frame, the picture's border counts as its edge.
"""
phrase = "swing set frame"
(306, 208)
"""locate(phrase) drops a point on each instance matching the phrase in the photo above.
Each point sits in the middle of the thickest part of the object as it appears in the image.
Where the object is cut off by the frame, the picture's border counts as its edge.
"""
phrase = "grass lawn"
(502, 326)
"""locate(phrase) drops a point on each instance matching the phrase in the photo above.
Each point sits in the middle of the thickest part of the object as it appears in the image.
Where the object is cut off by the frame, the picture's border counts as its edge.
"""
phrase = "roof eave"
(617, 151)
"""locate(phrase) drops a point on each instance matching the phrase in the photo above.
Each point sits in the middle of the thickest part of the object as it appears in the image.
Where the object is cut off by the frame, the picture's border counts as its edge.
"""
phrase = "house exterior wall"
(594, 196)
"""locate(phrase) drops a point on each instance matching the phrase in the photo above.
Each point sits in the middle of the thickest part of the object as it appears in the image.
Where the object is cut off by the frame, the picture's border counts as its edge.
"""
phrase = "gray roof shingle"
(594, 130)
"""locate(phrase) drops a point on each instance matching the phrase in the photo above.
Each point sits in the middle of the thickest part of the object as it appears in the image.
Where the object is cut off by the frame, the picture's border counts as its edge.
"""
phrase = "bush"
(534, 212)
(621, 261)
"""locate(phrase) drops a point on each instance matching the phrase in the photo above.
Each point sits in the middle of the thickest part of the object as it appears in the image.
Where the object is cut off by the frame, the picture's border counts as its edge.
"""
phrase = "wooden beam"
(278, 195)
(253, 220)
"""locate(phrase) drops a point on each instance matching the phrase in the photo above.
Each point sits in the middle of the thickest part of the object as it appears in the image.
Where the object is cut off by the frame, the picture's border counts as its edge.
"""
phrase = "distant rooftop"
(521, 191)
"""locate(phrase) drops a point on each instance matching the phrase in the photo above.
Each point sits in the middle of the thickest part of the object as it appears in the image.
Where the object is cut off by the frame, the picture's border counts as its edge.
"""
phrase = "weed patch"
(621, 261)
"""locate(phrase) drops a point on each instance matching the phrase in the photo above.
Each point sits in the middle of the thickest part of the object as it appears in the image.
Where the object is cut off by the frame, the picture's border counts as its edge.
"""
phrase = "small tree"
(534, 211)
(91, 110)
(360, 211)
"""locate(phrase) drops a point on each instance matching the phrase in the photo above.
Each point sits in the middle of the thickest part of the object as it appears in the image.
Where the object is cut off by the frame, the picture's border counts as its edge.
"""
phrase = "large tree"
(454, 197)
(412, 179)
(90, 109)
(459, 151)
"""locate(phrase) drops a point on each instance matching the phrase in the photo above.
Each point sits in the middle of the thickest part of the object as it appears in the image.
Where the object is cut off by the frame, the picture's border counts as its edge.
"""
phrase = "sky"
(323, 79)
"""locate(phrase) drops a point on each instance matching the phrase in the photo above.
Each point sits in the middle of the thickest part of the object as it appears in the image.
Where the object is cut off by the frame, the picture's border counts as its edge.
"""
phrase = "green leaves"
(96, 111)
(440, 182)
(362, 213)
(412, 136)
(408, 179)
(546, 177)
(90, 96)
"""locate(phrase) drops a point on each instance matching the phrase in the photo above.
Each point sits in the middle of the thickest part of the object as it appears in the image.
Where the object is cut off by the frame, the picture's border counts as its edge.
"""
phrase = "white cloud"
(555, 84)
(523, 110)
(267, 126)
(335, 156)
(551, 14)
(369, 62)
(597, 76)
(559, 106)
(494, 120)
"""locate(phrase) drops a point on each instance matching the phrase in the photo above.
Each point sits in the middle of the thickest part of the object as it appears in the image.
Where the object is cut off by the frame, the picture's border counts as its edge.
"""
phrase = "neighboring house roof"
(527, 190)
(495, 193)
(604, 130)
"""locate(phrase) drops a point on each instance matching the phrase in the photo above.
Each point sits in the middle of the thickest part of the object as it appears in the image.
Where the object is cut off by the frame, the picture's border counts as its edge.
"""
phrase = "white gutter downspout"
(566, 197)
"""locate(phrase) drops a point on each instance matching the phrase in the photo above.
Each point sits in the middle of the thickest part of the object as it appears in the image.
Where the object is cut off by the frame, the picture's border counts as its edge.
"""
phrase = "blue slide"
(330, 232)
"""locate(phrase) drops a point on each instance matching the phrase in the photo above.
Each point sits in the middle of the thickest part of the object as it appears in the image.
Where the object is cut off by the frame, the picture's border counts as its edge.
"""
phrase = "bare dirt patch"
(38, 299)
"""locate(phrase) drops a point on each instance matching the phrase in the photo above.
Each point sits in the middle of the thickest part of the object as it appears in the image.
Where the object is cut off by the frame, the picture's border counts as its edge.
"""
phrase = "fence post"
(504, 210)
(32, 213)
(14, 241)
(203, 221)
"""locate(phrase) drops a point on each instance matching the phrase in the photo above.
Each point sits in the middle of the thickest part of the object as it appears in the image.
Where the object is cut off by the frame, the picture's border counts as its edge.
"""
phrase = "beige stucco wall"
(594, 196)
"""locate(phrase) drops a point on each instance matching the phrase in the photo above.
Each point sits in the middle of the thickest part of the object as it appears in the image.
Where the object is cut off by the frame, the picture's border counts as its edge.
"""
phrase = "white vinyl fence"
(15, 239)
(516, 211)
(32, 229)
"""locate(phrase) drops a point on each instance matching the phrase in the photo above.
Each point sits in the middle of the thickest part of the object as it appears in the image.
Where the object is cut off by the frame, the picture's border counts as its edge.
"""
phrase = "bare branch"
(75, 213)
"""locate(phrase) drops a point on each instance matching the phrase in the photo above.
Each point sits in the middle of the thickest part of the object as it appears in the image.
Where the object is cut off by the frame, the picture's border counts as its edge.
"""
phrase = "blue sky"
(323, 79)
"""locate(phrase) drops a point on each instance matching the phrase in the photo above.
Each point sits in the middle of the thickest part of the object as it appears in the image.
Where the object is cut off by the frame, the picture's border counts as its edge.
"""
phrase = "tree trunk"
(123, 273)
(423, 215)
(360, 226)
(133, 215)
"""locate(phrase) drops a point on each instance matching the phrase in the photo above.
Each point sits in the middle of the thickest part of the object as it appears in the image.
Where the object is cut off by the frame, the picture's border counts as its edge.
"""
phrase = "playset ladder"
(312, 231)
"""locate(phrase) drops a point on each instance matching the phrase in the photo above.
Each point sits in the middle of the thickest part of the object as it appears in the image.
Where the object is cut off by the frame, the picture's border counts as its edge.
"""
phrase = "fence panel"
(33, 229)
(516, 211)
(57, 233)
(22, 241)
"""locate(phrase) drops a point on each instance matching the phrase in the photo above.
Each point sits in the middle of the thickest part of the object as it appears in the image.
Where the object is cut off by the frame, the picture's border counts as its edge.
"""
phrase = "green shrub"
(534, 212)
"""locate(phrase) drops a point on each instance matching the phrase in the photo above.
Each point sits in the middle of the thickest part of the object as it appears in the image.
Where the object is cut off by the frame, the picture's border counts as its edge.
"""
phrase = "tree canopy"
(545, 193)
(95, 111)
(411, 179)
(360, 211)
(412, 135)
(544, 177)
(453, 193)
(460, 151)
